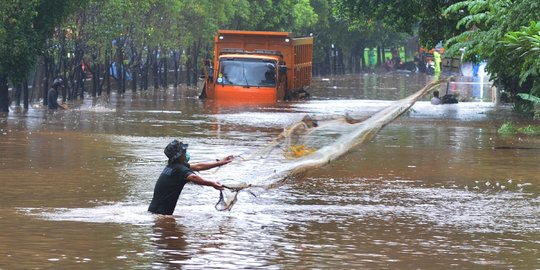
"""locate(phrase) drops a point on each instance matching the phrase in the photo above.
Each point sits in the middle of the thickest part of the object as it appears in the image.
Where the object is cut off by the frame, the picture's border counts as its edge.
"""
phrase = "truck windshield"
(247, 72)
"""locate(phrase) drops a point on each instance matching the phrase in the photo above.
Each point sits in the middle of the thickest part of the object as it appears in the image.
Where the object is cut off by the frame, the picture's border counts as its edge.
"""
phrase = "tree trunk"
(362, 60)
(95, 81)
(83, 82)
(180, 54)
(353, 61)
(196, 62)
(188, 66)
(145, 68)
(108, 75)
(341, 62)
(379, 56)
(4, 94)
(65, 76)
(25, 93)
(164, 82)
(144, 75)
(175, 55)
(45, 80)
(78, 79)
(382, 55)
(334, 61)
(18, 92)
(98, 78)
(119, 67)
(35, 81)
(123, 78)
(155, 71)
(134, 79)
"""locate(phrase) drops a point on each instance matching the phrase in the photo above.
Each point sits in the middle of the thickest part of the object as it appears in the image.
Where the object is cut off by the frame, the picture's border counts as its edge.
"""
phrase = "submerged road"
(437, 187)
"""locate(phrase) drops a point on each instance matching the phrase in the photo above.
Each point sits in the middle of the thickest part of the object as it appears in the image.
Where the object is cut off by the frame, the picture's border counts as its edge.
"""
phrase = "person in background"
(435, 100)
(372, 59)
(396, 60)
(388, 64)
(52, 95)
(178, 173)
(476, 65)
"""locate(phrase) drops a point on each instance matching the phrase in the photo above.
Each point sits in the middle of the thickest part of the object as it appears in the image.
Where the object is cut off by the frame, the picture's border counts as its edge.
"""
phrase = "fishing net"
(298, 151)
(228, 196)
(303, 146)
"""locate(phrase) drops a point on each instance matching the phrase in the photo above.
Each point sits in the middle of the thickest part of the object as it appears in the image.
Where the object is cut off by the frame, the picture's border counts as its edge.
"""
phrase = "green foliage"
(267, 15)
(487, 23)
(533, 105)
(529, 97)
(507, 128)
(524, 46)
(304, 15)
(144, 26)
(510, 129)
(18, 39)
(403, 16)
(529, 130)
(24, 27)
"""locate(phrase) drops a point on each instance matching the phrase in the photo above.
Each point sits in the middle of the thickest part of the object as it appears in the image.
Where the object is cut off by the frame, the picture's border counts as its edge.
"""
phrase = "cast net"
(308, 144)
(229, 195)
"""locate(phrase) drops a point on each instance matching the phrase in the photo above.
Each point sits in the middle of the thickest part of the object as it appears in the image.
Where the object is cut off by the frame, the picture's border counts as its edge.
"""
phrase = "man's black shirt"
(168, 188)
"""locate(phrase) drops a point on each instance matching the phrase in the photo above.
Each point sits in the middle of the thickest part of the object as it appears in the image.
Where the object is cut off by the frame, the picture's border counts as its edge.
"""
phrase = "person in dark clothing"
(52, 95)
(435, 100)
(176, 174)
(396, 60)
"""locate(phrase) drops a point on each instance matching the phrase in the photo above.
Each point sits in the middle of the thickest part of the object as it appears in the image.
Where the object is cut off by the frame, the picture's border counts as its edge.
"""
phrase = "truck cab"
(248, 77)
(251, 66)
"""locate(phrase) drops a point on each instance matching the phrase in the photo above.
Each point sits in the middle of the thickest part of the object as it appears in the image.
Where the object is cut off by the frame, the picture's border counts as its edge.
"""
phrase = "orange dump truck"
(255, 66)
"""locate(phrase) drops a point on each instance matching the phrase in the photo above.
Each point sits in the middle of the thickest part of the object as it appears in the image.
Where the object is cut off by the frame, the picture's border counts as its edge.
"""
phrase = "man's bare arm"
(209, 165)
(201, 181)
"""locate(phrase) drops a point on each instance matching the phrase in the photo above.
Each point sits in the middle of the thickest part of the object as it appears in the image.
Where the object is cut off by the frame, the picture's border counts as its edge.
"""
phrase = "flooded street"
(436, 188)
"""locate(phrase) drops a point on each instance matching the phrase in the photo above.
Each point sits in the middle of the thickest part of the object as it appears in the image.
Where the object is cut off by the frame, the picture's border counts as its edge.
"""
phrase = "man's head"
(57, 83)
(175, 150)
(310, 121)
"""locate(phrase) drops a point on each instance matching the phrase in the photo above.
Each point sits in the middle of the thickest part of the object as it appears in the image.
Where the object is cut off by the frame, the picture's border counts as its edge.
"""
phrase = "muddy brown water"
(436, 188)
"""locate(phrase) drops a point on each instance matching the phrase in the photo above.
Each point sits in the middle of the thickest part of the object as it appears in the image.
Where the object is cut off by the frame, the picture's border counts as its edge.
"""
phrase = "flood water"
(436, 188)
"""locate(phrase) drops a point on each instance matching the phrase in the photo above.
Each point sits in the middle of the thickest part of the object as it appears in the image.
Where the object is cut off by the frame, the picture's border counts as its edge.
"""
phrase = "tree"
(523, 47)
(18, 44)
(403, 16)
(487, 23)
(25, 26)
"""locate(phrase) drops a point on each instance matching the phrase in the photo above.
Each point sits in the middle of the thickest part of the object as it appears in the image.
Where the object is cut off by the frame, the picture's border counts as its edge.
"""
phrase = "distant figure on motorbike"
(396, 60)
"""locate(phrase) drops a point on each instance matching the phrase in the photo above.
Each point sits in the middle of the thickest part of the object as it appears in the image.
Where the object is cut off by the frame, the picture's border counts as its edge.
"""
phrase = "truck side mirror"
(282, 70)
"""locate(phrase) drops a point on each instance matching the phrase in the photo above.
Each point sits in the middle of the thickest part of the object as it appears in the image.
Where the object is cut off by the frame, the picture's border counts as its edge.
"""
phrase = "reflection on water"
(394, 86)
(438, 187)
(169, 239)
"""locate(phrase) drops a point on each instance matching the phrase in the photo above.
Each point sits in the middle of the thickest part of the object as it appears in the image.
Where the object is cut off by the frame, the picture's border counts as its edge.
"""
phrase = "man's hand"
(226, 160)
(195, 178)
(217, 185)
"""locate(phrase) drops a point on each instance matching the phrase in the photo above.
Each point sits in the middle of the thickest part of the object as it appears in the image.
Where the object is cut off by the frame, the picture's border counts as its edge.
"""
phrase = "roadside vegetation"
(511, 129)
(134, 45)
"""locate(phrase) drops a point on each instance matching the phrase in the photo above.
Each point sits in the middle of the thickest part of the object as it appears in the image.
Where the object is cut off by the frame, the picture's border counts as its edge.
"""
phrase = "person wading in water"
(52, 95)
(176, 174)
